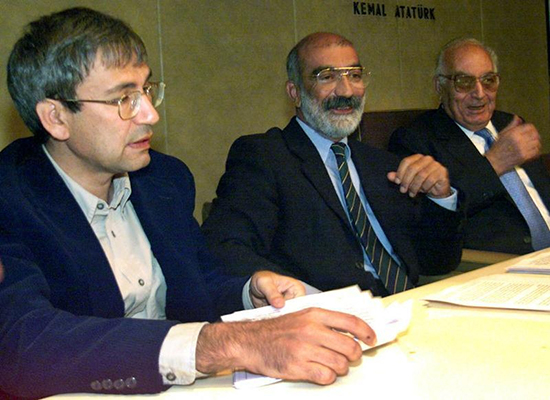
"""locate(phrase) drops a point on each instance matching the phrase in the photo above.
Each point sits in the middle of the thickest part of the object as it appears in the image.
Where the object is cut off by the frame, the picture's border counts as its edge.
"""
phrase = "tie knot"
(339, 149)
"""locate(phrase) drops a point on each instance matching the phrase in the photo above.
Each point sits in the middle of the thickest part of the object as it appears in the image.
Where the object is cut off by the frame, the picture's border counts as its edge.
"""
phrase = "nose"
(343, 87)
(478, 91)
(147, 113)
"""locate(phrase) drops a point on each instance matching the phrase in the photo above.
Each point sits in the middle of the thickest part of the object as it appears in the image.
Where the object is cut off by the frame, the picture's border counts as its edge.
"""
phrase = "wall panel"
(224, 61)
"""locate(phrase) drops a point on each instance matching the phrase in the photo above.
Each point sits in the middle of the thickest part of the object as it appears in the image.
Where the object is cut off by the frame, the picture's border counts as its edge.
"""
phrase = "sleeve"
(244, 218)
(476, 179)
(46, 351)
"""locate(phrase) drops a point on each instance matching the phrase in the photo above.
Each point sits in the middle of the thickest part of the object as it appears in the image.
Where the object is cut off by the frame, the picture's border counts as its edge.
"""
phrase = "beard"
(335, 127)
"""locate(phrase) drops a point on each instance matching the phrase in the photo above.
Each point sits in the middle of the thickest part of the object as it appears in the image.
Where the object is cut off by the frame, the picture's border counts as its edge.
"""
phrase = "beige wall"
(223, 61)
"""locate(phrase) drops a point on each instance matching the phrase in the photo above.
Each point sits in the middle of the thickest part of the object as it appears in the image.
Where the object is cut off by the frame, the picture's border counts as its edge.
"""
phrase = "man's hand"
(516, 144)
(306, 345)
(270, 288)
(421, 174)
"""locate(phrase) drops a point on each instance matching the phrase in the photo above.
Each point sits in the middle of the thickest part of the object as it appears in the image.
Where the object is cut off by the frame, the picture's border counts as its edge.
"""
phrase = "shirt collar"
(470, 133)
(87, 201)
(321, 143)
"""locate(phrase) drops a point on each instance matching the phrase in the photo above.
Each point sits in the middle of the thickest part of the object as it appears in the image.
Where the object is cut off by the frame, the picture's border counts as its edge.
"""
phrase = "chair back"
(376, 127)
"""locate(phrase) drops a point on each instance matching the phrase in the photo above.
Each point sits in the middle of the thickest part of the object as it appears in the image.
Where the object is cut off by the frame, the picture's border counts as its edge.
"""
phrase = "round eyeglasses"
(129, 104)
(329, 77)
(467, 83)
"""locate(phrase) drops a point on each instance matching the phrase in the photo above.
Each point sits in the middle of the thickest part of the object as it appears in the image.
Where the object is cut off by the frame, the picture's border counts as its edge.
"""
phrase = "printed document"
(537, 264)
(387, 322)
(511, 291)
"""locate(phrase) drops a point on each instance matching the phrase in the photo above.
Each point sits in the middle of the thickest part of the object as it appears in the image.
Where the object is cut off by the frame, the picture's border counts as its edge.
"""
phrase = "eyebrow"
(323, 67)
(126, 85)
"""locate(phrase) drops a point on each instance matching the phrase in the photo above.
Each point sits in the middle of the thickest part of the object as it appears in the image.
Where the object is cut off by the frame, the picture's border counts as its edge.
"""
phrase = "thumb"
(516, 121)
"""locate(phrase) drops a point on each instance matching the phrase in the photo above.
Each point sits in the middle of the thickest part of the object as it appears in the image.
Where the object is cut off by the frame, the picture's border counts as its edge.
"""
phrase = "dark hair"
(57, 53)
(294, 60)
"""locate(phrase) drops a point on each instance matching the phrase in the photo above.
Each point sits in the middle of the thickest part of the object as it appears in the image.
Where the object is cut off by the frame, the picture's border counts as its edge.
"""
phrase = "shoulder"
(500, 119)
(262, 145)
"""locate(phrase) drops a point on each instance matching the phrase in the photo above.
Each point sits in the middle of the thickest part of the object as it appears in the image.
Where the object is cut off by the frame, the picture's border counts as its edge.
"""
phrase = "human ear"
(51, 114)
(294, 93)
(437, 86)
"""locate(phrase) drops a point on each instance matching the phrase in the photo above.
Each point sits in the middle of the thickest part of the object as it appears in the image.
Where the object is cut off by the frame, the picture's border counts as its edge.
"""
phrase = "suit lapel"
(453, 138)
(313, 167)
(85, 259)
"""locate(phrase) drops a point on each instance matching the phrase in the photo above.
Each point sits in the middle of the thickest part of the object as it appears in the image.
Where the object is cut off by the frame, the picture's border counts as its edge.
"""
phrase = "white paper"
(387, 323)
(510, 291)
(539, 264)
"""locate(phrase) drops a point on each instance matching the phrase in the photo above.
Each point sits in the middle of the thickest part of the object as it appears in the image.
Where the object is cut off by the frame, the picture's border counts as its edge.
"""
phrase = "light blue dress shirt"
(322, 145)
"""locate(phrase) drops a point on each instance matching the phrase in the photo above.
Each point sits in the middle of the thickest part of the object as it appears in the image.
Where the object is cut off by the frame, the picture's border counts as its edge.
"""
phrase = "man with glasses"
(106, 274)
(492, 156)
(306, 201)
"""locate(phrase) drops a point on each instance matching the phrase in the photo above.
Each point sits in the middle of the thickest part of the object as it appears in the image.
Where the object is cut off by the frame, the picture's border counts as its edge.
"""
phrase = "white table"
(449, 352)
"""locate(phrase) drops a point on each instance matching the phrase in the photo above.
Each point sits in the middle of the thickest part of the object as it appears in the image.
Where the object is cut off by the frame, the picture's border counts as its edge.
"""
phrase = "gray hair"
(457, 43)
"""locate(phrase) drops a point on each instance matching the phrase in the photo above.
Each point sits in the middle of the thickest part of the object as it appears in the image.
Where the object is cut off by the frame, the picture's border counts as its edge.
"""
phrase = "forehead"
(329, 56)
(111, 79)
(469, 59)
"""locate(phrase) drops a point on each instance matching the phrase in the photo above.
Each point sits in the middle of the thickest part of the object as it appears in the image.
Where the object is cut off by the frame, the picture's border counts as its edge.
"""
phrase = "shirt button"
(141, 282)
(130, 383)
(527, 239)
(100, 206)
(96, 385)
(107, 384)
(119, 384)
(171, 376)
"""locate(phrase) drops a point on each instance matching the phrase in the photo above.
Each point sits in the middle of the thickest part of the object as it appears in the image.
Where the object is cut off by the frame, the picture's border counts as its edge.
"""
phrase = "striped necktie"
(393, 277)
(540, 235)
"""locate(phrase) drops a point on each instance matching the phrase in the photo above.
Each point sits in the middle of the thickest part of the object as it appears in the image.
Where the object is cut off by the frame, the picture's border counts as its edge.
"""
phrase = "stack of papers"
(387, 322)
(509, 291)
(539, 264)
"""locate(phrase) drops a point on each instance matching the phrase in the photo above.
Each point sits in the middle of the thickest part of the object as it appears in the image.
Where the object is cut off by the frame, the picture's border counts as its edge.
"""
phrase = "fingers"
(421, 174)
(516, 144)
(267, 287)
(309, 344)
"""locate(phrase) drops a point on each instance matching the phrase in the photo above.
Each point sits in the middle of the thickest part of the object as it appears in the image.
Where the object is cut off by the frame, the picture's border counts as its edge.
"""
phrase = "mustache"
(353, 102)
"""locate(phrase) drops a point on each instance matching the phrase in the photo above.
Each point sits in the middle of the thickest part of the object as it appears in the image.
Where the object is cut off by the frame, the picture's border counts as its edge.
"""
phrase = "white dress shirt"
(138, 273)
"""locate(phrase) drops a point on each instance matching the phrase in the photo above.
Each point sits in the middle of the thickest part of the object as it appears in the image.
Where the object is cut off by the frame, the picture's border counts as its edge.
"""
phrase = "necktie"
(392, 276)
(540, 235)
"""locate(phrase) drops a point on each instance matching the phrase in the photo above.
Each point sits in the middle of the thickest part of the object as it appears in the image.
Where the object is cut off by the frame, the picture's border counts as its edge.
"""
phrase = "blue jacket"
(62, 324)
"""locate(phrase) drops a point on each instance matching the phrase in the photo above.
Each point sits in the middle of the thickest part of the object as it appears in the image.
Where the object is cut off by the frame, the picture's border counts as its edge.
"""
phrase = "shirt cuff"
(449, 203)
(247, 301)
(177, 354)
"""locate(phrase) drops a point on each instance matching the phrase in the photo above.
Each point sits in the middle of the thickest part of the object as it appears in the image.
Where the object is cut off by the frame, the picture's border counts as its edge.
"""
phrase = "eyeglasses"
(129, 104)
(467, 83)
(331, 76)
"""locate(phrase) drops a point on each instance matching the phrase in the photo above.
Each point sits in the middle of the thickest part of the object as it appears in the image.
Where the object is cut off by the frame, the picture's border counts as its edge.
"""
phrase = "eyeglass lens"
(331, 76)
(466, 83)
(130, 105)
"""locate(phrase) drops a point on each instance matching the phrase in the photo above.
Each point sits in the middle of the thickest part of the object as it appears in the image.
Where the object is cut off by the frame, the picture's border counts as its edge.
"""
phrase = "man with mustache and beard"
(281, 203)
(491, 155)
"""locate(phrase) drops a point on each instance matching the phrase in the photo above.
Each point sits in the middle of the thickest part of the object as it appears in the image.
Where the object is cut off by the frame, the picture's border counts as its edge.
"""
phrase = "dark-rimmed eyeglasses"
(331, 76)
(129, 104)
(466, 83)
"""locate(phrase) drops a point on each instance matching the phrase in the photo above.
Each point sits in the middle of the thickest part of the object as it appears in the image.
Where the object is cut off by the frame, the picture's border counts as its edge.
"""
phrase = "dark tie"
(540, 235)
(392, 276)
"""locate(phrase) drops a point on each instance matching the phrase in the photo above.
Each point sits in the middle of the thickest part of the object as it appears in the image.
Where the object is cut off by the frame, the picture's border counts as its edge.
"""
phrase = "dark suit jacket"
(277, 209)
(61, 313)
(494, 222)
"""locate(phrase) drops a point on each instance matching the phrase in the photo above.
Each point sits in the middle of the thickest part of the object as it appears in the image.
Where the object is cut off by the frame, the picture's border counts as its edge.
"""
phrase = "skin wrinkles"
(472, 110)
